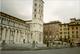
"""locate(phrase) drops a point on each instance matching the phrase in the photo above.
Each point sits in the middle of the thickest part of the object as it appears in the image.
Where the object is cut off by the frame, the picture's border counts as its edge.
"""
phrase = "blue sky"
(61, 10)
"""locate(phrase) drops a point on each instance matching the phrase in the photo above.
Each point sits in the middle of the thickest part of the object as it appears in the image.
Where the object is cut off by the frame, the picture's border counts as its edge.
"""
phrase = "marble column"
(3, 33)
(13, 33)
(11, 36)
(21, 36)
(0, 34)
(18, 36)
(15, 36)
(26, 36)
(7, 35)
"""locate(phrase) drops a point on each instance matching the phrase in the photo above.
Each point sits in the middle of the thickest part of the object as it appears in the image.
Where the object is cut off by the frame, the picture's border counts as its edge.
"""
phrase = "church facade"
(13, 30)
(16, 31)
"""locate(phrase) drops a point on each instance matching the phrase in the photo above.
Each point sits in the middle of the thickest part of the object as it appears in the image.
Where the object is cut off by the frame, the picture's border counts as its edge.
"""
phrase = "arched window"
(23, 40)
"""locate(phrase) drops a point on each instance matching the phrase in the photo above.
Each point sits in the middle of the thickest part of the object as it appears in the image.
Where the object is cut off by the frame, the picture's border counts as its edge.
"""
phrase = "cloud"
(0, 5)
(19, 8)
(61, 10)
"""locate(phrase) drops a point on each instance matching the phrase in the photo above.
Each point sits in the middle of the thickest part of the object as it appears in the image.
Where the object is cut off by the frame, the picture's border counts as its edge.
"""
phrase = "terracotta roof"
(52, 22)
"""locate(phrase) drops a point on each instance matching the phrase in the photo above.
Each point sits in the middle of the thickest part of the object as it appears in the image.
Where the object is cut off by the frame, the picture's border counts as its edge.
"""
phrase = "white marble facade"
(16, 31)
(13, 31)
(37, 21)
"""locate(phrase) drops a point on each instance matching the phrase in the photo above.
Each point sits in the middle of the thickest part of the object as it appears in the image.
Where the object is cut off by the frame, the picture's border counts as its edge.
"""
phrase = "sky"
(54, 10)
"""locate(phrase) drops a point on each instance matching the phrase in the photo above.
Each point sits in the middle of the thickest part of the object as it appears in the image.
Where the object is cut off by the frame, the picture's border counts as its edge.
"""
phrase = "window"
(35, 15)
(76, 32)
(23, 40)
(72, 32)
(60, 32)
(35, 4)
(68, 32)
(3, 42)
(3, 21)
(60, 29)
(34, 9)
(60, 25)
(76, 27)
(72, 28)
(65, 32)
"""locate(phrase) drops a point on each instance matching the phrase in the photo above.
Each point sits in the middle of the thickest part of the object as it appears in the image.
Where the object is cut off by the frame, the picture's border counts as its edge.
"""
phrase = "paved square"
(51, 51)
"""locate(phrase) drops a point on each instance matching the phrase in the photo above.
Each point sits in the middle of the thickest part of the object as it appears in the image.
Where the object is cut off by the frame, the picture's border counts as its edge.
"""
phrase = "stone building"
(74, 31)
(16, 31)
(64, 31)
(51, 32)
(70, 32)
(13, 30)
(37, 21)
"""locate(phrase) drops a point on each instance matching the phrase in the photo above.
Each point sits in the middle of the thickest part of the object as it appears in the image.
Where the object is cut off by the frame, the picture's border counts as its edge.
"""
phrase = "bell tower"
(37, 21)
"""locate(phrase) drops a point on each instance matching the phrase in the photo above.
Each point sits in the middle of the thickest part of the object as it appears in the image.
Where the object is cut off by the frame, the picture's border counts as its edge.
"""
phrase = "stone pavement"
(50, 51)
